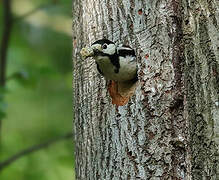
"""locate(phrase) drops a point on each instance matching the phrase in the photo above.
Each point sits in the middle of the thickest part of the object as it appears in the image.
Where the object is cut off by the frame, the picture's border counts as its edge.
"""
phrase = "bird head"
(99, 49)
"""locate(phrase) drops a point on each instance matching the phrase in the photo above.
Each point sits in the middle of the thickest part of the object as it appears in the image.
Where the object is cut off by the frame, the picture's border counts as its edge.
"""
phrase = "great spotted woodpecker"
(116, 63)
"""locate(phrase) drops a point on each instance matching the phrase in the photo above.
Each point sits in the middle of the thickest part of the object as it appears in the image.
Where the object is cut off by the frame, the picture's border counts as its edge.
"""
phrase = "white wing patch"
(122, 47)
(128, 68)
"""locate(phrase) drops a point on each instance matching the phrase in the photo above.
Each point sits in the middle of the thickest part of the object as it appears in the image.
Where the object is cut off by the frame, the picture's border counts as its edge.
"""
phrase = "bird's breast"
(127, 70)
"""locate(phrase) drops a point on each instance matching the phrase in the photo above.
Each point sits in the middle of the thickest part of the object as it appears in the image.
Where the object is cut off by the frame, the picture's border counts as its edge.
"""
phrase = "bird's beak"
(90, 51)
(96, 48)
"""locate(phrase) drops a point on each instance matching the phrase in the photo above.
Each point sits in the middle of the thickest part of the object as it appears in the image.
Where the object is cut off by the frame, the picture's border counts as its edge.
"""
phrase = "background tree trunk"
(168, 129)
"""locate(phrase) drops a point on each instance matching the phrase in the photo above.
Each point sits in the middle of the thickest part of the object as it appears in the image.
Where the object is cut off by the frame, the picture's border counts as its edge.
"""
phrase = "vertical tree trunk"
(4, 44)
(202, 86)
(169, 125)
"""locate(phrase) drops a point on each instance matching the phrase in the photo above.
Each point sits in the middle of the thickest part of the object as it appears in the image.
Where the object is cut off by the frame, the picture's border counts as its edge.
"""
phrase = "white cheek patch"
(111, 49)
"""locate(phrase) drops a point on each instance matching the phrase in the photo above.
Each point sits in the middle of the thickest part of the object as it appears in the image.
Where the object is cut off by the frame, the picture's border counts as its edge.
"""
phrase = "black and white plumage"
(116, 63)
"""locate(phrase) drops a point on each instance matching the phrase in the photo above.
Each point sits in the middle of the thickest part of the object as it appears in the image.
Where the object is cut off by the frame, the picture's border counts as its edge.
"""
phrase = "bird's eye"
(104, 46)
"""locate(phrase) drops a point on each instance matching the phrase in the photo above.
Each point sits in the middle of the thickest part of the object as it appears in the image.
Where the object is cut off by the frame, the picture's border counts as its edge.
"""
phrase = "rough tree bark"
(169, 129)
(201, 77)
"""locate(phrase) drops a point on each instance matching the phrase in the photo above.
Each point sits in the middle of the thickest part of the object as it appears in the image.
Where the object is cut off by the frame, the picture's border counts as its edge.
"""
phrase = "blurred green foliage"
(38, 96)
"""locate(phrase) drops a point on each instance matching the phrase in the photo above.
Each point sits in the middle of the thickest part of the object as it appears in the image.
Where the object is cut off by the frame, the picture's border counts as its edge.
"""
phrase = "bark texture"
(153, 136)
(201, 39)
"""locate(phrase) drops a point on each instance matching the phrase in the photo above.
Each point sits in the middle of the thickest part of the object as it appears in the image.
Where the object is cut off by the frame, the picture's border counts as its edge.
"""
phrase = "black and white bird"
(117, 63)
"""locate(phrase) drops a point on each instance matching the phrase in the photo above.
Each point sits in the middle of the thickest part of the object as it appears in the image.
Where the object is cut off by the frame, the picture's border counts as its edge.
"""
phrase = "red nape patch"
(117, 99)
(140, 11)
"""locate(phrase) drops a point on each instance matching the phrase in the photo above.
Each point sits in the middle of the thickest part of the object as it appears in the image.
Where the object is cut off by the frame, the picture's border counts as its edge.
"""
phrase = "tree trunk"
(168, 129)
(202, 86)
